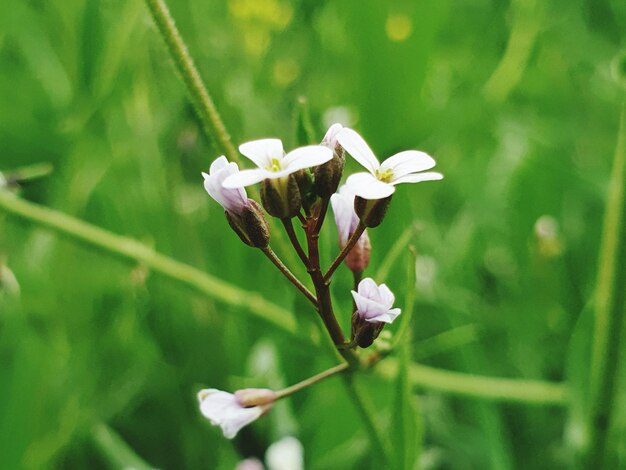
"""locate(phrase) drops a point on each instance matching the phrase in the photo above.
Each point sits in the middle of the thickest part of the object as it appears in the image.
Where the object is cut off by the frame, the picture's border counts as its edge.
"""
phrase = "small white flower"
(374, 302)
(380, 182)
(224, 410)
(273, 163)
(232, 200)
(286, 454)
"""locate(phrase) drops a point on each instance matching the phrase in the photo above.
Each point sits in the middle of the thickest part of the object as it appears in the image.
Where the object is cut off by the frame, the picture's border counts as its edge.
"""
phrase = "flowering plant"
(302, 184)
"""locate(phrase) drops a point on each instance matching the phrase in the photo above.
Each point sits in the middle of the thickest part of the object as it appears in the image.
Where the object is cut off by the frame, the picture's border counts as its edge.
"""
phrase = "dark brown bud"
(363, 332)
(371, 211)
(281, 197)
(250, 225)
(328, 175)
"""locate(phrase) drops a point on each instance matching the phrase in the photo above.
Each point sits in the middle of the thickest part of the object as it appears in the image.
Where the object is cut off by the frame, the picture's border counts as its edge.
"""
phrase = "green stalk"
(610, 308)
(200, 98)
(251, 303)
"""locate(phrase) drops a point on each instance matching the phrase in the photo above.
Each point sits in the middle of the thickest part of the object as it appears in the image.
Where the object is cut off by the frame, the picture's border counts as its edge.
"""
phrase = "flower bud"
(250, 225)
(347, 222)
(371, 211)
(363, 332)
(281, 197)
(255, 397)
(328, 175)
(358, 258)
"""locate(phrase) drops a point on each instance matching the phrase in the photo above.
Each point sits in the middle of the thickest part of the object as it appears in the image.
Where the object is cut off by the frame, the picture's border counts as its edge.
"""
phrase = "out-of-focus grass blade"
(392, 255)
(406, 421)
(26, 174)
(115, 451)
(305, 133)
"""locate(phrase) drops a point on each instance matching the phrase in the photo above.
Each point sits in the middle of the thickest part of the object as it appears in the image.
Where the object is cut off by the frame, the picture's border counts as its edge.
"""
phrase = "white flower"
(379, 183)
(224, 410)
(273, 163)
(232, 200)
(374, 302)
(286, 454)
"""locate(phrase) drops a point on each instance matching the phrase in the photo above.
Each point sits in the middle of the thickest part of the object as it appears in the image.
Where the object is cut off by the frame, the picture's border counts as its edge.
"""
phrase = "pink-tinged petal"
(368, 308)
(262, 151)
(222, 409)
(306, 157)
(354, 144)
(368, 187)
(368, 288)
(330, 138)
(386, 296)
(343, 216)
(419, 177)
(246, 178)
(232, 200)
(404, 163)
(387, 317)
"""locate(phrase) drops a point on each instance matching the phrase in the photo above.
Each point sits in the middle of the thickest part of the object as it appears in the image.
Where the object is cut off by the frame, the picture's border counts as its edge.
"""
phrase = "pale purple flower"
(273, 163)
(380, 182)
(232, 200)
(223, 409)
(374, 302)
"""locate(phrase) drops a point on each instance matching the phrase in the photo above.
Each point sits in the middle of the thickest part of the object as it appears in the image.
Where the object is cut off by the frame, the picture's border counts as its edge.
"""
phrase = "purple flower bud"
(347, 221)
(373, 310)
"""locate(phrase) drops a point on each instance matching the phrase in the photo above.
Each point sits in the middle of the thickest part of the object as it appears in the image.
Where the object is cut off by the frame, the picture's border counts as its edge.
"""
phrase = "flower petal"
(386, 296)
(262, 151)
(232, 200)
(368, 288)
(222, 409)
(354, 144)
(305, 157)
(387, 317)
(246, 178)
(368, 309)
(419, 177)
(343, 217)
(410, 161)
(368, 187)
(330, 138)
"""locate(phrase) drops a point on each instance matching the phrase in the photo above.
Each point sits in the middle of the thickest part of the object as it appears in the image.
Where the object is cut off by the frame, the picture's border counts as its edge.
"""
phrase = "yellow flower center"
(384, 176)
(274, 165)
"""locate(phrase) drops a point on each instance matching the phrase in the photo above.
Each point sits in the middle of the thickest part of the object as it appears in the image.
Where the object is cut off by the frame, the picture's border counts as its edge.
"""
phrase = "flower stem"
(295, 242)
(322, 288)
(322, 215)
(311, 380)
(200, 98)
(26, 173)
(346, 249)
(610, 308)
(289, 275)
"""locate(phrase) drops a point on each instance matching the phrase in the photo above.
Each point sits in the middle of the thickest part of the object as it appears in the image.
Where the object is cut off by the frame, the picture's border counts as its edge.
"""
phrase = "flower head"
(379, 183)
(347, 221)
(273, 163)
(232, 200)
(374, 302)
(225, 410)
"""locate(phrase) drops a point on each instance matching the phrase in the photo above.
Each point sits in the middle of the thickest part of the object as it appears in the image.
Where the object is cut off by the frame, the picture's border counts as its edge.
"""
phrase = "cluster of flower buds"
(302, 183)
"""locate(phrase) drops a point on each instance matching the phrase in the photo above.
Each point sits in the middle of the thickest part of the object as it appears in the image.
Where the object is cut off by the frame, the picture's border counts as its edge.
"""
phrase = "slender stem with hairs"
(344, 252)
(289, 275)
(311, 380)
(293, 238)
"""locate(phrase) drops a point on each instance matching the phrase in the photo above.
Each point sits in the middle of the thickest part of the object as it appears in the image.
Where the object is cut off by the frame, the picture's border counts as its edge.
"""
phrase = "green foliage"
(517, 101)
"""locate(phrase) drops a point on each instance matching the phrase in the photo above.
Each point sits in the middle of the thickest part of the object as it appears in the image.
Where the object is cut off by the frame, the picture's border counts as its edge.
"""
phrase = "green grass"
(101, 356)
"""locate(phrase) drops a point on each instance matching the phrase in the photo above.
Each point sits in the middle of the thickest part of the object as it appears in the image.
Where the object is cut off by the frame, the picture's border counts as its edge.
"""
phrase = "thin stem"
(289, 275)
(200, 98)
(293, 238)
(322, 289)
(311, 380)
(609, 311)
(346, 249)
(321, 216)
(367, 412)
(26, 173)
(302, 219)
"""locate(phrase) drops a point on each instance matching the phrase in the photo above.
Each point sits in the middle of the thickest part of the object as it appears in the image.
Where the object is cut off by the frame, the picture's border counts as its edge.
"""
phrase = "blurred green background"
(519, 103)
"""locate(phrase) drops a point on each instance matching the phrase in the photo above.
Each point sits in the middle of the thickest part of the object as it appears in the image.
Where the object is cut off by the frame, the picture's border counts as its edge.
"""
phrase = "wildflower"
(229, 412)
(380, 182)
(273, 163)
(244, 215)
(374, 302)
(347, 221)
(232, 200)
(373, 310)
